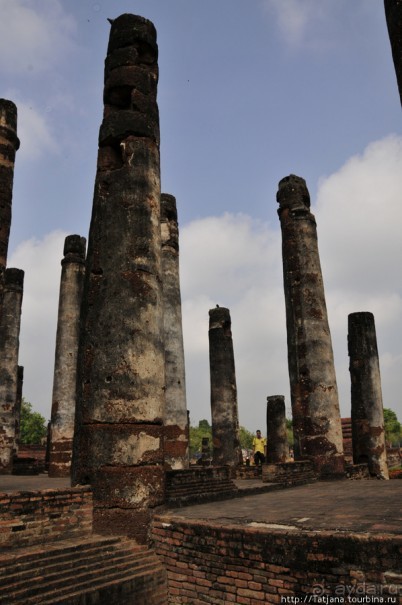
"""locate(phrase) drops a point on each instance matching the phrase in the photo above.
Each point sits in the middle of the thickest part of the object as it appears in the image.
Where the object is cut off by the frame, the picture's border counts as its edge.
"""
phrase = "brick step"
(111, 591)
(52, 568)
(202, 489)
(55, 553)
(123, 560)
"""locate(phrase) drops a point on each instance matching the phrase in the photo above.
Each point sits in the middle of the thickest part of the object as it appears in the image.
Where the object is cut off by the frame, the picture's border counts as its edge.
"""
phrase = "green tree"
(393, 428)
(32, 425)
(246, 438)
(197, 434)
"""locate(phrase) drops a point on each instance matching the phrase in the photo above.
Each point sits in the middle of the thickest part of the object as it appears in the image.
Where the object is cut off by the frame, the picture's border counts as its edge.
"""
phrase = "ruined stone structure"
(9, 143)
(277, 439)
(368, 436)
(393, 14)
(10, 322)
(225, 420)
(314, 393)
(176, 423)
(18, 404)
(118, 441)
(65, 366)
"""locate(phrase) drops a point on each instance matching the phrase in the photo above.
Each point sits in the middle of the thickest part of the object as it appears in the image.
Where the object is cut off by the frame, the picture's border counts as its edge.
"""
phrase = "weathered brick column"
(118, 441)
(65, 365)
(277, 438)
(9, 144)
(176, 424)
(225, 421)
(314, 393)
(368, 436)
(393, 14)
(10, 322)
(18, 405)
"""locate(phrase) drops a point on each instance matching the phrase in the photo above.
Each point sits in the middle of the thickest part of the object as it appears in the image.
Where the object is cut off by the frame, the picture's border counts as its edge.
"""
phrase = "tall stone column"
(118, 441)
(9, 144)
(65, 365)
(18, 405)
(393, 15)
(368, 436)
(314, 393)
(176, 429)
(225, 421)
(10, 322)
(277, 438)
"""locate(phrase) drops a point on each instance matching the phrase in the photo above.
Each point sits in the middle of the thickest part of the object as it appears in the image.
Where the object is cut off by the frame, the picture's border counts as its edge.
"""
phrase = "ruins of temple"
(130, 472)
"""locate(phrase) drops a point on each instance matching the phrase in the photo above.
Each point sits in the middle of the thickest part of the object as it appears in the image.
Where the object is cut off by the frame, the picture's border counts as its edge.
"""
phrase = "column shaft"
(9, 144)
(118, 441)
(176, 429)
(65, 366)
(277, 438)
(368, 436)
(393, 15)
(10, 322)
(314, 393)
(224, 412)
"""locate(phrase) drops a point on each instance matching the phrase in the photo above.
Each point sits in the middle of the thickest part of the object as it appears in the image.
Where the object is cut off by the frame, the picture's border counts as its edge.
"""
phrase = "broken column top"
(293, 193)
(14, 279)
(168, 207)
(74, 248)
(8, 121)
(128, 27)
(218, 316)
(362, 340)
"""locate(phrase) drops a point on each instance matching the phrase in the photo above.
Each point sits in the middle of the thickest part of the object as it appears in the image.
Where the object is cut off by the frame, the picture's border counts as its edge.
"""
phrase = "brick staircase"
(94, 570)
(196, 485)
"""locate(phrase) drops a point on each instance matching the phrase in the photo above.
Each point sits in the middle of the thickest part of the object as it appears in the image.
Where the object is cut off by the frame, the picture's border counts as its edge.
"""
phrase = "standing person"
(259, 444)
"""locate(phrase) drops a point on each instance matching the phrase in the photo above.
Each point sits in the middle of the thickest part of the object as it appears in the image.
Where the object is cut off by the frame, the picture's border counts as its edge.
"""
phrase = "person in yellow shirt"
(259, 444)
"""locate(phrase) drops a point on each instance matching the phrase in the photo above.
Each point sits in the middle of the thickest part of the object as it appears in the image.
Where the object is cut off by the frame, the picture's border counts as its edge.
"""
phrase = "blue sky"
(249, 91)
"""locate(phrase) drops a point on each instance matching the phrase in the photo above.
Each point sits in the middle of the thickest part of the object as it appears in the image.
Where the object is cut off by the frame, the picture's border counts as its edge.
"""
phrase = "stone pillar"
(368, 436)
(225, 423)
(118, 440)
(314, 393)
(65, 366)
(393, 15)
(18, 404)
(176, 428)
(9, 144)
(277, 438)
(10, 322)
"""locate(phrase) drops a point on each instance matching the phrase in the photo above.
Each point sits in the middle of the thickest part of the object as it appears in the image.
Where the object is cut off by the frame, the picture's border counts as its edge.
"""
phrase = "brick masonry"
(29, 518)
(210, 563)
(289, 473)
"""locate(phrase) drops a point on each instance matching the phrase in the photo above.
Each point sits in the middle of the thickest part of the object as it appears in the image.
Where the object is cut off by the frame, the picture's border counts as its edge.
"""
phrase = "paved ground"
(353, 506)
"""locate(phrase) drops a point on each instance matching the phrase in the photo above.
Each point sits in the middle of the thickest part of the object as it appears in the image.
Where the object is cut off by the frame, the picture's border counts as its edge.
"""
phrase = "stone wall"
(35, 517)
(208, 563)
(289, 473)
(198, 484)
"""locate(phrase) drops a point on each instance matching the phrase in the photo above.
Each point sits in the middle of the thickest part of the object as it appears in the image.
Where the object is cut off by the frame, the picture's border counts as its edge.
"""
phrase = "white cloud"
(358, 213)
(34, 34)
(40, 259)
(34, 130)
